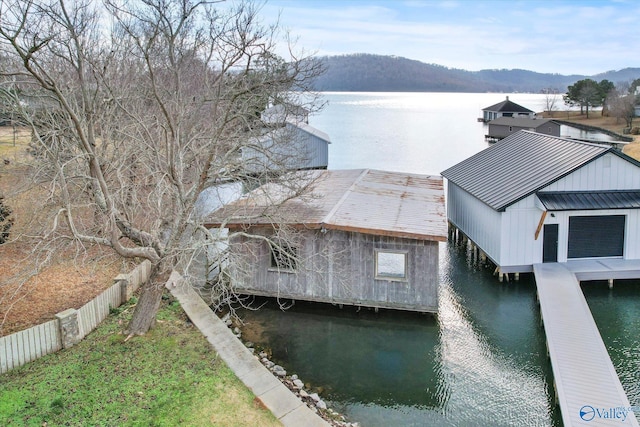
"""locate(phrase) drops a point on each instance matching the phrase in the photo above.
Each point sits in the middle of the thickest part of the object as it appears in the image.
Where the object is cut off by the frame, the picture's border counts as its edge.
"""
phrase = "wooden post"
(540, 223)
(610, 283)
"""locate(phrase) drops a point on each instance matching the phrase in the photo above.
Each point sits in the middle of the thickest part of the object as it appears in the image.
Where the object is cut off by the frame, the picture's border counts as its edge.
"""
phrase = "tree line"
(383, 73)
(618, 101)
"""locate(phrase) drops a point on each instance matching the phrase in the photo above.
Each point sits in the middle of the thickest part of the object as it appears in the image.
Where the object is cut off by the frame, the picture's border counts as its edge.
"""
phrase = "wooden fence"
(70, 326)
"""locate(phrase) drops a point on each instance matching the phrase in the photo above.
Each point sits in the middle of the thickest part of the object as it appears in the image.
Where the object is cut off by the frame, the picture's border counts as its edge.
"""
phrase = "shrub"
(5, 221)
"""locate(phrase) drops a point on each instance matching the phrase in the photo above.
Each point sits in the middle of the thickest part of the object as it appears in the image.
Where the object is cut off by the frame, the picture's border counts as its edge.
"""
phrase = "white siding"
(632, 236)
(608, 172)
(519, 224)
(508, 237)
(520, 220)
(475, 219)
(632, 230)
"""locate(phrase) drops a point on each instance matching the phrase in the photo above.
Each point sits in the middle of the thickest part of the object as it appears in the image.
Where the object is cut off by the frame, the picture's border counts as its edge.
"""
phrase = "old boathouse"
(362, 237)
(534, 198)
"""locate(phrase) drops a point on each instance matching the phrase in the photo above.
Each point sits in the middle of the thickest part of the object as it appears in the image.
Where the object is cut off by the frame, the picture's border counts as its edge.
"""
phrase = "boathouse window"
(391, 265)
(283, 257)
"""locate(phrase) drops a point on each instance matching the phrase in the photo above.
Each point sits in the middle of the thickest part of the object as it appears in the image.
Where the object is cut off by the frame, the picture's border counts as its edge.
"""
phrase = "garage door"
(596, 236)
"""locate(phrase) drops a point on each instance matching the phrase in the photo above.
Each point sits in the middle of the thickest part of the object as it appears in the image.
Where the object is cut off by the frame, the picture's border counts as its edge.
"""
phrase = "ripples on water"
(482, 362)
(617, 314)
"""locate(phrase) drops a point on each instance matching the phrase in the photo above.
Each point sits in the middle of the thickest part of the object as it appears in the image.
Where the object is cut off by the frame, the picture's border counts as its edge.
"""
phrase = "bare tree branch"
(135, 109)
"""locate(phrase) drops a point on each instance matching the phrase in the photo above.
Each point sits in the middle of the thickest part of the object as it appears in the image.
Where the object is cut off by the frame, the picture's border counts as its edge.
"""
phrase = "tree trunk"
(144, 316)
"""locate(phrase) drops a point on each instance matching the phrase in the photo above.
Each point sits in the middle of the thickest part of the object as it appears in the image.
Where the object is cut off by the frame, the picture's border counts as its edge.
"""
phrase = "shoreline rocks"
(295, 384)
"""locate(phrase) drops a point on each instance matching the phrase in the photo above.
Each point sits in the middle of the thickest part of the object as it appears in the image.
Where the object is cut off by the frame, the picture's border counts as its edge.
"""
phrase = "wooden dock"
(587, 386)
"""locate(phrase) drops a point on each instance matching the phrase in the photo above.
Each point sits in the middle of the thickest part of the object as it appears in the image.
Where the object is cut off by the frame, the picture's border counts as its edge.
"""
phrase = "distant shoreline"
(597, 120)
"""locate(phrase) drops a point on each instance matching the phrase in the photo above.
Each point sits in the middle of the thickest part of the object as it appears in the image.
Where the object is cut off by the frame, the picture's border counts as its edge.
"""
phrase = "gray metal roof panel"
(508, 106)
(590, 200)
(519, 165)
(519, 121)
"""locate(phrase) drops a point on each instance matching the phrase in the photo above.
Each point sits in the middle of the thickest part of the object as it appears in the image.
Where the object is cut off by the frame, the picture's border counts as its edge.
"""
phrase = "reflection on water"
(617, 314)
(482, 362)
(572, 132)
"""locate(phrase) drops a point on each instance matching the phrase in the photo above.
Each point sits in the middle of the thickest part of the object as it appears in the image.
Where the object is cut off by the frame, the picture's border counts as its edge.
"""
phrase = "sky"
(550, 36)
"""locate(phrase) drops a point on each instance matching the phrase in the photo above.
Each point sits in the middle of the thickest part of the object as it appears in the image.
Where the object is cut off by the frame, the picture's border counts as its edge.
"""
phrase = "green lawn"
(169, 377)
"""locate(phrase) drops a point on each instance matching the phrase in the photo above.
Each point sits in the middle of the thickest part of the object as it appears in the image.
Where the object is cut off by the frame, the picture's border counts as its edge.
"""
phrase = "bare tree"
(621, 105)
(550, 100)
(135, 109)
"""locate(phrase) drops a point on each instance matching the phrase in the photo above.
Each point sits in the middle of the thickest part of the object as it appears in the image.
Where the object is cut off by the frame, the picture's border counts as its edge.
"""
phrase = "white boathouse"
(534, 198)
(506, 108)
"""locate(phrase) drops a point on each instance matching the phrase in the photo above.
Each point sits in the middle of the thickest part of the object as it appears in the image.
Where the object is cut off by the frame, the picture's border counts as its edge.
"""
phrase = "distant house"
(505, 126)
(533, 198)
(506, 108)
(364, 237)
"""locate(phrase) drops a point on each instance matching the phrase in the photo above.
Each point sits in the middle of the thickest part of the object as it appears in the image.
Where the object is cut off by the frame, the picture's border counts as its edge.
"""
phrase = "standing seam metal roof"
(523, 122)
(520, 165)
(590, 200)
(360, 200)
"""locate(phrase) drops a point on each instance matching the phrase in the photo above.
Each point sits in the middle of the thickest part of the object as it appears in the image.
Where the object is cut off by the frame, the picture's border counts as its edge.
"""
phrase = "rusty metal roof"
(359, 200)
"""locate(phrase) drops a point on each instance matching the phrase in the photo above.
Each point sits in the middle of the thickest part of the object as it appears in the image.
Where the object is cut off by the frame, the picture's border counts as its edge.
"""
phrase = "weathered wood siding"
(339, 267)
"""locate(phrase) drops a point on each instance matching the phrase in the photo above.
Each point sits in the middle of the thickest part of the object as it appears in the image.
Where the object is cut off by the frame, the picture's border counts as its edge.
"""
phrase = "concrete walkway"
(284, 405)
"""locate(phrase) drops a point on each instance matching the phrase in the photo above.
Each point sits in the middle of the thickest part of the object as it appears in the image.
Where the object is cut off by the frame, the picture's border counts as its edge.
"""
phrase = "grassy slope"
(169, 377)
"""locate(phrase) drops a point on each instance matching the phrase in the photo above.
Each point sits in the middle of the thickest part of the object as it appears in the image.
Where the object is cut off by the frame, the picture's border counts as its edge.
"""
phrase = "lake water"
(483, 360)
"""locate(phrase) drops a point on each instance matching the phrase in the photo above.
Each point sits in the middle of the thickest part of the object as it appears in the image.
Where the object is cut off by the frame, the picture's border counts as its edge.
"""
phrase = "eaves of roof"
(508, 106)
(520, 165)
(590, 200)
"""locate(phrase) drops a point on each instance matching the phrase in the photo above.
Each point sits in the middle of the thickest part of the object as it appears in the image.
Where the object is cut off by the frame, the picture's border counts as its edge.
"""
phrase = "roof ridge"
(333, 211)
(608, 147)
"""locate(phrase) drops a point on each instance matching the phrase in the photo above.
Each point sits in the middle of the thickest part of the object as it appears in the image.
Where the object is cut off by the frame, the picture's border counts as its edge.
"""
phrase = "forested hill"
(376, 73)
